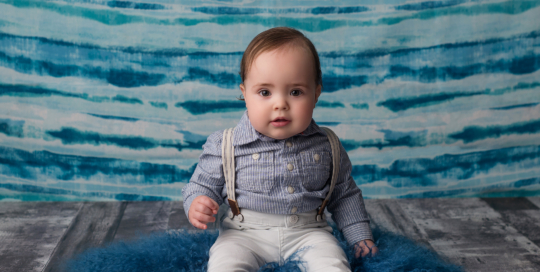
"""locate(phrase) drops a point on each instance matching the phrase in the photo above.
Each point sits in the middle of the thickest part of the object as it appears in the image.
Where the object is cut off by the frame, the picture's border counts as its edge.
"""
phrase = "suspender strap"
(229, 170)
(336, 161)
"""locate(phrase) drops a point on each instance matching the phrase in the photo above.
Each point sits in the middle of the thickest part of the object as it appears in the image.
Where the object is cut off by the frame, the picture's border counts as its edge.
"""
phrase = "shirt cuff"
(357, 232)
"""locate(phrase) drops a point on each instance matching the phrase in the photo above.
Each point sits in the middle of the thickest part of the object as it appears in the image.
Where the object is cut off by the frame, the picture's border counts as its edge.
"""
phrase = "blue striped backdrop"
(112, 100)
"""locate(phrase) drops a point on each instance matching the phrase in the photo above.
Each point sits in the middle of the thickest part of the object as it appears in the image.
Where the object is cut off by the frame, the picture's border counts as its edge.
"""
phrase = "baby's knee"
(326, 261)
(233, 257)
(327, 257)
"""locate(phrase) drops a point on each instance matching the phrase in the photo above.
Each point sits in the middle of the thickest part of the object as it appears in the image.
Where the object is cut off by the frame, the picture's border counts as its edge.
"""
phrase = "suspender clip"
(235, 210)
(320, 211)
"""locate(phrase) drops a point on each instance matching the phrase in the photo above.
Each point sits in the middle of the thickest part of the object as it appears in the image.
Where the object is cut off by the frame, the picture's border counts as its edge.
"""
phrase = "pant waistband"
(275, 220)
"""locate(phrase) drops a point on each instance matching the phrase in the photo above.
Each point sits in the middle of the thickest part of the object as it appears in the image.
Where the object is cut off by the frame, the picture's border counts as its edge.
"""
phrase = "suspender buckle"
(235, 210)
(321, 217)
(320, 211)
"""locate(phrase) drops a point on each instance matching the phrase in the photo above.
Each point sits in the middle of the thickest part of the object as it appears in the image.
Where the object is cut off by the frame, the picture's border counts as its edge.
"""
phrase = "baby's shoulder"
(213, 143)
(216, 137)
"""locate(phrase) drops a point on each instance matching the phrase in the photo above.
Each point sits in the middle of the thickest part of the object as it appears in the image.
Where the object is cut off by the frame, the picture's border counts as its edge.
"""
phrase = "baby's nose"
(281, 105)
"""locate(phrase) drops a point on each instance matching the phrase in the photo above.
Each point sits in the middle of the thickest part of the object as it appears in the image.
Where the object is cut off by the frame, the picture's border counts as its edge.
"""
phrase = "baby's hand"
(201, 211)
(365, 247)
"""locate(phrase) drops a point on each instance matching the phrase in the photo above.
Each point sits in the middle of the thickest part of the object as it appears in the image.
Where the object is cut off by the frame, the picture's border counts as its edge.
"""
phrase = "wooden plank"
(524, 216)
(143, 217)
(510, 203)
(30, 231)
(388, 214)
(520, 213)
(95, 225)
(535, 201)
(177, 218)
(472, 234)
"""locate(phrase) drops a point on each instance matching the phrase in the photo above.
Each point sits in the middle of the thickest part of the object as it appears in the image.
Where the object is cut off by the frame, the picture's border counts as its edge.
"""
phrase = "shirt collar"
(245, 133)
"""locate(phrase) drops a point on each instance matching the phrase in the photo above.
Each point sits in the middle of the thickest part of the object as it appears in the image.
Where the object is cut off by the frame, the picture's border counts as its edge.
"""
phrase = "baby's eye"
(264, 93)
(296, 92)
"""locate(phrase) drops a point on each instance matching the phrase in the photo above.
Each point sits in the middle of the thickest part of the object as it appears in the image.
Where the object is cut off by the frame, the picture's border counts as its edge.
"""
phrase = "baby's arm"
(204, 192)
(201, 211)
(349, 212)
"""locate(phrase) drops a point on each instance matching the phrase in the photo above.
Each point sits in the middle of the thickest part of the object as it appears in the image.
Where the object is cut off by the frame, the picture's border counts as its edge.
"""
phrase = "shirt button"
(256, 156)
(290, 167)
(294, 210)
(290, 189)
(289, 144)
(317, 157)
(293, 219)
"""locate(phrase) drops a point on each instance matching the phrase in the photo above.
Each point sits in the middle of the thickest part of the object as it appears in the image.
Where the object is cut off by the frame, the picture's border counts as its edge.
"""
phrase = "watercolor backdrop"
(112, 100)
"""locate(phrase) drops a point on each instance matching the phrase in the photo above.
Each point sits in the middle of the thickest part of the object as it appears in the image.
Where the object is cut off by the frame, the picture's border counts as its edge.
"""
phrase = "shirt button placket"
(294, 218)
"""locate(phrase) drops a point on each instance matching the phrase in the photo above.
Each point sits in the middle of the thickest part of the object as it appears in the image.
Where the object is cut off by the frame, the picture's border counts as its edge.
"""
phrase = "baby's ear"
(318, 93)
(243, 89)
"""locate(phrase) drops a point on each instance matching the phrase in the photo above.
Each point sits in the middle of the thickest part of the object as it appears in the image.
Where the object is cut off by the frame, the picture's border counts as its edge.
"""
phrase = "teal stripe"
(71, 136)
(31, 91)
(360, 106)
(27, 188)
(201, 107)
(509, 7)
(12, 128)
(476, 133)
(312, 24)
(327, 104)
(405, 103)
(161, 105)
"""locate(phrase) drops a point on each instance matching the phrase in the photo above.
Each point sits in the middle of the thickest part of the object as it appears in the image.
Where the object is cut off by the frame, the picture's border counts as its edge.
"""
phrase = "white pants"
(261, 238)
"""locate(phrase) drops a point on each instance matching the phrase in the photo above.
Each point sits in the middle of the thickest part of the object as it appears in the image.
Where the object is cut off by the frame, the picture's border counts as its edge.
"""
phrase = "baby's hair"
(274, 38)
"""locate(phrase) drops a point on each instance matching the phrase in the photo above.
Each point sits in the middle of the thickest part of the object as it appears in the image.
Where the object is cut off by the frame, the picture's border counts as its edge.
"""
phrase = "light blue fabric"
(105, 100)
(264, 184)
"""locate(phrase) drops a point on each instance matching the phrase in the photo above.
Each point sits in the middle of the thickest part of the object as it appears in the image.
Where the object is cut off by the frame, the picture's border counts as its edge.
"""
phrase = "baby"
(283, 169)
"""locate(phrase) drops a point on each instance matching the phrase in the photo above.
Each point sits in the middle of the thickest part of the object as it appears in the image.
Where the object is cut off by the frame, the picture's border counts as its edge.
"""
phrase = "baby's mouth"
(280, 121)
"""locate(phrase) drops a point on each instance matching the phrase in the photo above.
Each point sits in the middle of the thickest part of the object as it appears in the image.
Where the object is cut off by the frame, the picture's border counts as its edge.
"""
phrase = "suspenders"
(229, 170)
(336, 161)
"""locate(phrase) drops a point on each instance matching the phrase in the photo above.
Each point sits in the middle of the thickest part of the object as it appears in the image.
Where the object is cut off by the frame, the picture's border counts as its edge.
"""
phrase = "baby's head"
(281, 82)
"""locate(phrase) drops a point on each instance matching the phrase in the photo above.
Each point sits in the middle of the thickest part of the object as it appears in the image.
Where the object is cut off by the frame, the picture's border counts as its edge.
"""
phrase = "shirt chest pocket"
(255, 172)
(316, 169)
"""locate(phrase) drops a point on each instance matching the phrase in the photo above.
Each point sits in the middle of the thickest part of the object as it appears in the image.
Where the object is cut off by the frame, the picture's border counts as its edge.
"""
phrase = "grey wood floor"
(492, 234)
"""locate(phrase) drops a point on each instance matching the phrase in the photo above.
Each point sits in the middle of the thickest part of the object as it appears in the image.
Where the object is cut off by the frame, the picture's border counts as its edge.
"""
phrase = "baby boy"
(283, 167)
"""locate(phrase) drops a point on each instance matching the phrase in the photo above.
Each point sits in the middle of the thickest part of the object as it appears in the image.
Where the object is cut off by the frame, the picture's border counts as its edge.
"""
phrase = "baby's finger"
(374, 251)
(203, 209)
(210, 203)
(365, 251)
(369, 250)
(196, 223)
(203, 218)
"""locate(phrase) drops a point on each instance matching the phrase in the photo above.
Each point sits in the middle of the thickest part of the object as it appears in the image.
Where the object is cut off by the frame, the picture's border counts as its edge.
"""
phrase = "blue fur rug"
(177, 251)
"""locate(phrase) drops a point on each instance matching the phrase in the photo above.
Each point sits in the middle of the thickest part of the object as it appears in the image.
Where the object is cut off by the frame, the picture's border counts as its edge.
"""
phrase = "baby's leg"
(242, 250)
(320, 250)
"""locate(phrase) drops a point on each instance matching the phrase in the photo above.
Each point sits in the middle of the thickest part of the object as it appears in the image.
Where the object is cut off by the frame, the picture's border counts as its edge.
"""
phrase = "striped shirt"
(282, 177)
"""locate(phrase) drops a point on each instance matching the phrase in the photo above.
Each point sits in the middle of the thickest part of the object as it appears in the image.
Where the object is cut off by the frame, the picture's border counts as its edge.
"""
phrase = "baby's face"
(280, 92)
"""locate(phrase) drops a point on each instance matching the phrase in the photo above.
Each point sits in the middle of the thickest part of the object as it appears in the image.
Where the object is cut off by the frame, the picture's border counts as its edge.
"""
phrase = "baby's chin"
(280, 135)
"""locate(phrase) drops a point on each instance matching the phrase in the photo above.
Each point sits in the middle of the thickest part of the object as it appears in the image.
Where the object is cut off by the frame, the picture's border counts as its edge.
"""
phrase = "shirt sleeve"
(207, 179)
(347, 205)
